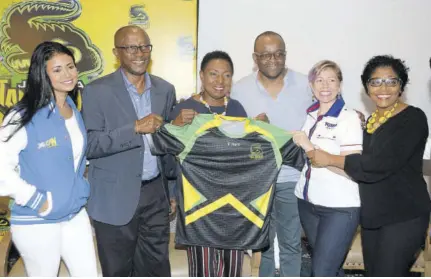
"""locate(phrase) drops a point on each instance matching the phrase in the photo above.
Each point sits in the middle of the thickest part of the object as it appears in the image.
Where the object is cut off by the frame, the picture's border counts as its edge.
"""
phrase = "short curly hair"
(383, 61)
(216, 54)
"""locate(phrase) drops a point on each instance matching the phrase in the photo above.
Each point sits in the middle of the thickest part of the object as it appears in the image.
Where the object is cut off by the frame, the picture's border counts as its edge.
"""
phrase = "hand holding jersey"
(148, 124)
(185, 117)
(229, 170)
(262, 117)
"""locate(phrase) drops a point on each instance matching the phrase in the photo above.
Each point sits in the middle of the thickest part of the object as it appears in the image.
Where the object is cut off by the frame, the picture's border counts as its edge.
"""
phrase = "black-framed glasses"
(268, 55)
(390, 82)
(134, 49)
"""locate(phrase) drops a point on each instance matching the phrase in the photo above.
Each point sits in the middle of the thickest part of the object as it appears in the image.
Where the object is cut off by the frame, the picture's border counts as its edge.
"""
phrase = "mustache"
(272, 64)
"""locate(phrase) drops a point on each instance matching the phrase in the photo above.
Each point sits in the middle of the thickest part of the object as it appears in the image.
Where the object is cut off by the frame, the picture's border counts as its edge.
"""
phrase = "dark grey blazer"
(114, 150)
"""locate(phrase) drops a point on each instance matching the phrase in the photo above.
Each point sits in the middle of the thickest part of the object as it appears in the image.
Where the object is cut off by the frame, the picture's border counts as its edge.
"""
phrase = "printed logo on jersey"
(256, 152)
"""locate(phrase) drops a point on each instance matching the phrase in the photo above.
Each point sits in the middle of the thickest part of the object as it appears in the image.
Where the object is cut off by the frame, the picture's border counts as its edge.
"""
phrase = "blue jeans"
(330, 231)
(284, 222)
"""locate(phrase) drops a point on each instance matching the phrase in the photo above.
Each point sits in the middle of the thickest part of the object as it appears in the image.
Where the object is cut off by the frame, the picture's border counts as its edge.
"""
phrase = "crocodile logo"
(26, 24)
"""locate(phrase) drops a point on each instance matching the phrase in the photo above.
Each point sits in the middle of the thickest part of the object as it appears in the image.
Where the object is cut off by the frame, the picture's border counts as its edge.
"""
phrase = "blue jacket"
(47, 163)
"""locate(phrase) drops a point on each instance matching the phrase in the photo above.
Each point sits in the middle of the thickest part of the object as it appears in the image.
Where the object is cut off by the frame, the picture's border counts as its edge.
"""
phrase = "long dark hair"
(38, 91)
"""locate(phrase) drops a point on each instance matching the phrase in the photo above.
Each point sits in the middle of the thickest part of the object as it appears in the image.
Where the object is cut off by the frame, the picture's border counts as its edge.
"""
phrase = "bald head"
(125, 31)
(133, 49)
(268, 37)
(270, 55)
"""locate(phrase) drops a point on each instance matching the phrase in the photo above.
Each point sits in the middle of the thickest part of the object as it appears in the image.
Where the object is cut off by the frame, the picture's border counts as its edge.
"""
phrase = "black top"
(389, 171)
(234, 108)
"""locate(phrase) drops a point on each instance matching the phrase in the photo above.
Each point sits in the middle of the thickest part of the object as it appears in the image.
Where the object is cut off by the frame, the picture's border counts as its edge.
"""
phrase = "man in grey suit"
(129, 201)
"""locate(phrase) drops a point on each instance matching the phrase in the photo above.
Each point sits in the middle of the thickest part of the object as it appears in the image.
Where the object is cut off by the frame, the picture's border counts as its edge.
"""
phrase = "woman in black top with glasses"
(394, 198)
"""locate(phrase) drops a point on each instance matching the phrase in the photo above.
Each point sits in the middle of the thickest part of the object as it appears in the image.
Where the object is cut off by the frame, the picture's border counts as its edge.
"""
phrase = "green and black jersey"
(229, 169)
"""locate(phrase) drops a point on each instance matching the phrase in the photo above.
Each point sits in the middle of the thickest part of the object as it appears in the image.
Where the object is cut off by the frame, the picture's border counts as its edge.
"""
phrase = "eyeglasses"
(268, 55)
(134, 49)
(390, 82)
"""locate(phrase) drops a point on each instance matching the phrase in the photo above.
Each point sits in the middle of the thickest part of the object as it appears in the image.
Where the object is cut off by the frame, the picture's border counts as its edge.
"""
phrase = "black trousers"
(391, 250)
(139, 248)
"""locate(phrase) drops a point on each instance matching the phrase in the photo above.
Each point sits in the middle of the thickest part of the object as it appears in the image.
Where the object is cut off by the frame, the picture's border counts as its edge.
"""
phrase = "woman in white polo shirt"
(328, 200)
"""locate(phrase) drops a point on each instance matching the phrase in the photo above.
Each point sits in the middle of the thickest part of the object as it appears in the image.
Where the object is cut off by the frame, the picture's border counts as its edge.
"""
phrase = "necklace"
(373, 119)
(209, 108)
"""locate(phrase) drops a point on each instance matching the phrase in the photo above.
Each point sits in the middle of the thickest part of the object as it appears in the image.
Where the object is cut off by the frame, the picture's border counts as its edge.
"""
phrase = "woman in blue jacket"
(43, 143)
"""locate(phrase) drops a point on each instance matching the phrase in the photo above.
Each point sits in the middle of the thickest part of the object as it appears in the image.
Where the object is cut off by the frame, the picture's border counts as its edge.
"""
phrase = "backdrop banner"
(87, 28)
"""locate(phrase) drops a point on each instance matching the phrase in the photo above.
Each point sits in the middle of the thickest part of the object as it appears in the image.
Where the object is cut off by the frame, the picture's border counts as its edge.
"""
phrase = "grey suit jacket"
(115, 152)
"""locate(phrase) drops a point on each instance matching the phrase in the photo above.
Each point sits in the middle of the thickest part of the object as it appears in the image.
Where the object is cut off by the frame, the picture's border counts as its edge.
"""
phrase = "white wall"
(346, 31)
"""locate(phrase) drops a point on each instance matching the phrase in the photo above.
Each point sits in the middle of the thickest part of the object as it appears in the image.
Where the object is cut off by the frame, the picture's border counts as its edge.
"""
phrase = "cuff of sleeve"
(47, 211)
(129, 137)
(350, 163)
(128, 129)
(37, 200)
(351, 147)
(150, 142)
(24, 197)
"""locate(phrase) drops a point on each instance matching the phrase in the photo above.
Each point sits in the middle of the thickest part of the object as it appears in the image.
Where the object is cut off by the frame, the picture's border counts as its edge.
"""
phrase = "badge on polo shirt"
(330, 126)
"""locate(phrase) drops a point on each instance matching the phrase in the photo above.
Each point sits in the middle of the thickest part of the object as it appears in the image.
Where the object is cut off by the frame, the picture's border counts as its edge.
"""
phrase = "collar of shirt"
(334, 111)
(52, 105)
(132, 88)
(289, 79)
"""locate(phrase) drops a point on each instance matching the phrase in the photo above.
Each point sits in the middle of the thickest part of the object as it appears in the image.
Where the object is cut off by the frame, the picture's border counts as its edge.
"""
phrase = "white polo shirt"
(337, 131)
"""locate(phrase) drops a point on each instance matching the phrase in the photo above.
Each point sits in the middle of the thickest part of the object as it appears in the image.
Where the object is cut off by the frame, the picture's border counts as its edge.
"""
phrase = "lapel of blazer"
(158, 97)
(122, 95)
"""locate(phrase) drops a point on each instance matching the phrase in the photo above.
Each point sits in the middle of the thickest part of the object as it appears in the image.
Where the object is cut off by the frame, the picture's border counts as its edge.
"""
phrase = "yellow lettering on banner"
(11, 97)
(3, 83)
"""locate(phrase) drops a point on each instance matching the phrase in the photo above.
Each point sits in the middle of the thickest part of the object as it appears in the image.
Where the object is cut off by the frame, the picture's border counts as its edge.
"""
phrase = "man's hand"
(173, 203)
(262, 117)
(148, 124)
(186, 116)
